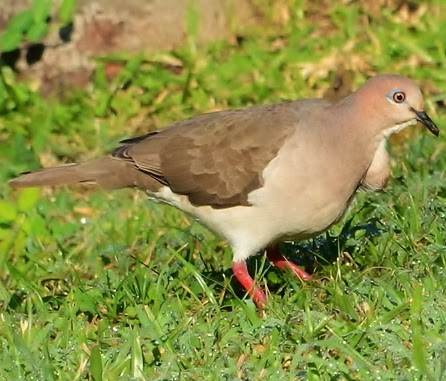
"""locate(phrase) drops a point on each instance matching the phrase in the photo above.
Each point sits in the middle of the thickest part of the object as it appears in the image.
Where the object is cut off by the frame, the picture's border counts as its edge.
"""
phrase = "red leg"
(278, 260)
(241, 273)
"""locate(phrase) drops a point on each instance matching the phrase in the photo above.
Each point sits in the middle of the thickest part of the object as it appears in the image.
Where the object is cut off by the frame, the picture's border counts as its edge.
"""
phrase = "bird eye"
(399, 97)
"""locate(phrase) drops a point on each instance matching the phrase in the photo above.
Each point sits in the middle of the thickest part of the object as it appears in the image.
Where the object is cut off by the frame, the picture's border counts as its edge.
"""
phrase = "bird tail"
(107, 172)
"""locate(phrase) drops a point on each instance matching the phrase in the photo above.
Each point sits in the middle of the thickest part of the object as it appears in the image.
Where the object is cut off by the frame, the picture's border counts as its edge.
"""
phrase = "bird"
(263, 174)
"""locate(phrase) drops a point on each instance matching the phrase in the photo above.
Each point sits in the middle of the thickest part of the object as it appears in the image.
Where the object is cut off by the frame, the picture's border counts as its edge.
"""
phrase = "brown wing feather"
(215, 159)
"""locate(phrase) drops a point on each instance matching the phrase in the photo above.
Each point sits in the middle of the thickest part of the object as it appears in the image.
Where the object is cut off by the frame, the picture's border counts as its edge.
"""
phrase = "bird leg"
(241, 273)
(281, 262)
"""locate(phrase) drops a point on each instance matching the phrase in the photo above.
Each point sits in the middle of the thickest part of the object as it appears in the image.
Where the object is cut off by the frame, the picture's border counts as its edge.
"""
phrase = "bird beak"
(427, 121)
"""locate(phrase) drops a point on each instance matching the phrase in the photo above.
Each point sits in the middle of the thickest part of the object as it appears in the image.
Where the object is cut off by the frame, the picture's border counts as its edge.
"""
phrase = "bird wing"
(214, 159)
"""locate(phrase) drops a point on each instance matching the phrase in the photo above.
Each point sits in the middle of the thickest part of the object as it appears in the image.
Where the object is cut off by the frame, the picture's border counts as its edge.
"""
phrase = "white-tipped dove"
(263, 174)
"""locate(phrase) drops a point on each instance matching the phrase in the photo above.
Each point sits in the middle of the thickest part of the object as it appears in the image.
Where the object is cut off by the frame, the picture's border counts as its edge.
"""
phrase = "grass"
(107, 286)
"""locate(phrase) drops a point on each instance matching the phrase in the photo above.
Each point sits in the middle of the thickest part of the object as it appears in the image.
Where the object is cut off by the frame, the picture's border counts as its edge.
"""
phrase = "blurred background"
(106, 286)
(139, 66)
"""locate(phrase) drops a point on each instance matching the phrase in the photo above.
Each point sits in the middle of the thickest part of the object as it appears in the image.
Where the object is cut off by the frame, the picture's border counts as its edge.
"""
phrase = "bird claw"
(282, 263)
(240, 271)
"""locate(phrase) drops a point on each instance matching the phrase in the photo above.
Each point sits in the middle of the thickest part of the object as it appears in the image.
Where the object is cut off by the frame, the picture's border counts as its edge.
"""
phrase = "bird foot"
(281, 262)
(240, 271)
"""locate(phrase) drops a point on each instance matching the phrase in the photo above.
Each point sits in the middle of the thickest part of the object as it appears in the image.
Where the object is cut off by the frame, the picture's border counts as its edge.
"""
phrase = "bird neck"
(361, 130)
(362, 120)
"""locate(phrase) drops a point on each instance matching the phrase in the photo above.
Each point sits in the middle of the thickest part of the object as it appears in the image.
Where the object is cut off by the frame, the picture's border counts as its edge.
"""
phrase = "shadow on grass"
(312, 255)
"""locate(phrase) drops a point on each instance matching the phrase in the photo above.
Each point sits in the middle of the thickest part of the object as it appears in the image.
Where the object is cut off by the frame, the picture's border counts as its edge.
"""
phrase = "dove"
(262, 174)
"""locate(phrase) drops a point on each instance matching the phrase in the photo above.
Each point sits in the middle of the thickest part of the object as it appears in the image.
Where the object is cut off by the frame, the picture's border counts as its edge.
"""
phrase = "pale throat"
(398, 127)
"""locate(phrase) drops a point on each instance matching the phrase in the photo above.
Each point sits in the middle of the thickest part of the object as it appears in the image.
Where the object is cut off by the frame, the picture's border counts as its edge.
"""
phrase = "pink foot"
(278, 260)
(241, 273)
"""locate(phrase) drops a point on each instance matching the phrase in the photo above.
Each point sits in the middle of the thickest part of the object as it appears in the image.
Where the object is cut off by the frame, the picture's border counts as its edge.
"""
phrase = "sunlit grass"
(108, 286)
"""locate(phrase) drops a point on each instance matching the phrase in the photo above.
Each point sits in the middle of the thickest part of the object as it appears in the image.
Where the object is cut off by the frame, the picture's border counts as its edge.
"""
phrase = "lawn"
(108, 286)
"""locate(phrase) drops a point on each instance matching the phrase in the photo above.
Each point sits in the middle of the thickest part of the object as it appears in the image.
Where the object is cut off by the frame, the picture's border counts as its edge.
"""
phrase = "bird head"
(397, 101)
